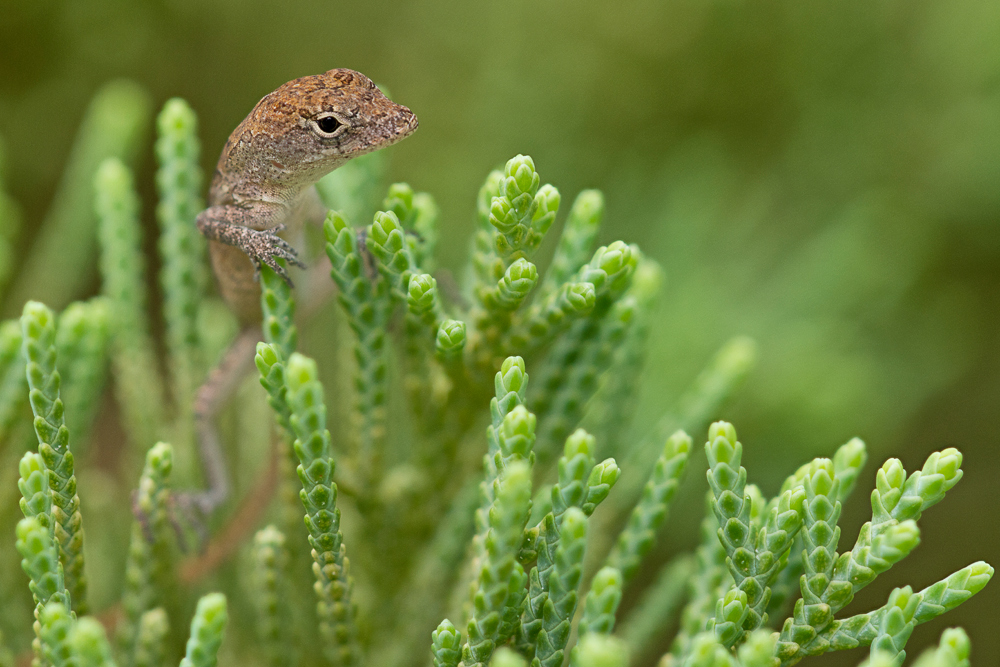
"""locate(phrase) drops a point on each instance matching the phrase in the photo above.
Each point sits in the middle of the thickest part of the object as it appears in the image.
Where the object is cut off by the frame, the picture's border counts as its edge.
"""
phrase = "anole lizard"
(262, 186)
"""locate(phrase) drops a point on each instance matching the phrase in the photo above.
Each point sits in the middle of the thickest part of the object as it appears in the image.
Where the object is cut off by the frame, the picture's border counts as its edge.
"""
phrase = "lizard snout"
(407, 121)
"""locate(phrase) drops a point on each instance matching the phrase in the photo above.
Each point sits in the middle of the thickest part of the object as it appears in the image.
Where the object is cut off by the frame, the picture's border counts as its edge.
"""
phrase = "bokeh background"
(822, 177)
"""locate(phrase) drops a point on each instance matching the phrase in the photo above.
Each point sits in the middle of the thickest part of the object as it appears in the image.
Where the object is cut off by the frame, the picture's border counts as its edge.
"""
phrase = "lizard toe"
(284, 245)
(291, 256)
(279, 269)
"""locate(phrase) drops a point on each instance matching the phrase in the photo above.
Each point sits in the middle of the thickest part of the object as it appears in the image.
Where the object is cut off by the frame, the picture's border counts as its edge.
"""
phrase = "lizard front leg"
(253, 228)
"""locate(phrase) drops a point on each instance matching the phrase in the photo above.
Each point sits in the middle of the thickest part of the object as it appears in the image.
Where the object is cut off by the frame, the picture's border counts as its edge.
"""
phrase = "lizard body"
(262, 186)
(263, 181)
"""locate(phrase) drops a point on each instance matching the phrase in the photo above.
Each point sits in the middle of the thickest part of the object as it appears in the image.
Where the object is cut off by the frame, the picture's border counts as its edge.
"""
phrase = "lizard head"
(311, 125)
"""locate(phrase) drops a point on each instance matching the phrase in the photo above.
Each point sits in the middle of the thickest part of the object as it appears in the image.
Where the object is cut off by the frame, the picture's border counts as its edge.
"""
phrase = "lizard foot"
(187, 512)
(191, 510)
(264, 246)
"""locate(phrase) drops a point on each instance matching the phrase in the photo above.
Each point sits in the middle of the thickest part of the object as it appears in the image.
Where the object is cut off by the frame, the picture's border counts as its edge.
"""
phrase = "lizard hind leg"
(195, 507)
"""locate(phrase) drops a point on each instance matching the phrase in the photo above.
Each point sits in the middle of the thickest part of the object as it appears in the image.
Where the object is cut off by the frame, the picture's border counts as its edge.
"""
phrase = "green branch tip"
(333, 224)
(270, 562)
(517, 190)
(422, 293)
(386, 231)
(517, 282)
(738, 355)
(953, 591)
(207, 628)
(722, 446)
(576, 240)
(730, 614)
(149, 557)
(595, 650)
(517, 433)
(602, 602)
(848, 461)
(302, 372)
(154, 628)
(40, 561)
(602, 479)
(182, 248)
(576, 471)
(952, 651)
(55, 621)
(451, 338)
(88, 641)
(504, 657)
(399, 200)
(446, 645)
(758, 649)
(512, 377)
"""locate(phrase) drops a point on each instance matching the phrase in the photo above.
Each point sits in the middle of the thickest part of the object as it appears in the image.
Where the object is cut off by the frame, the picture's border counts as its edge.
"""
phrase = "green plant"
(389, 504)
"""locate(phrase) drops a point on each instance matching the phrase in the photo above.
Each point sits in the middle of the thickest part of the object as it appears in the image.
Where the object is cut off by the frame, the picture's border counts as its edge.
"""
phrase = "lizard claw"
(264, 246)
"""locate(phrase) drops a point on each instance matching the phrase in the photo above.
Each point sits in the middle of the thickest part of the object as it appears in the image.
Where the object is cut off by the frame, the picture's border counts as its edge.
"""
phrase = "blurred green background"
(822, 177)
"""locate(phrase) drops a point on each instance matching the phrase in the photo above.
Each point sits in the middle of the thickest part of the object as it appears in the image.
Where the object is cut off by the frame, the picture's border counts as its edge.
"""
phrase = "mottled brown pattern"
(274, 156)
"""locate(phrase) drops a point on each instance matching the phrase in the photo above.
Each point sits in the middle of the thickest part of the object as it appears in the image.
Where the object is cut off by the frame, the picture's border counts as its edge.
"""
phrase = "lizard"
(263, 187)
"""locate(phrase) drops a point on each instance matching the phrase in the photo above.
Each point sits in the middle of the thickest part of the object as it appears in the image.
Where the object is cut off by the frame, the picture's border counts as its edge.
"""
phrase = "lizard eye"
(328, 126)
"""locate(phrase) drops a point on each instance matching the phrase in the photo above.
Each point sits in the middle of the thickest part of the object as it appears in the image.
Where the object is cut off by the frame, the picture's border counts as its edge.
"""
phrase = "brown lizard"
(263, 186)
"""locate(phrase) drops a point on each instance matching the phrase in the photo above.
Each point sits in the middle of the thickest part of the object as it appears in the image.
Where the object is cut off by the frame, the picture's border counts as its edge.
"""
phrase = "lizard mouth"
(400, 123)
(407, 125)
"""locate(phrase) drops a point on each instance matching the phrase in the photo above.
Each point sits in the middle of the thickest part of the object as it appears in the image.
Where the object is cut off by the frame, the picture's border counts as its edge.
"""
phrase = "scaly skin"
(263, 182)
(262, 186)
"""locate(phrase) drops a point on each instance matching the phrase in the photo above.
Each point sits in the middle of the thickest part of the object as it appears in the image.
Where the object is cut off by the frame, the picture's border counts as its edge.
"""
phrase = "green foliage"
(66, 523)
(278, 308)
(182, 248)
(40, 561)
(319, 497)
(56, 622)
(81, 343)
(638, 536)
(270, 562)
(599, 607)
(150, 645)
(505, 535)
(753, 552)
(366, 306)
(507, 515)
(563, 584)
(122, 269)
(579, 232)
(149, 557)
(89, 644)
(114, 127)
